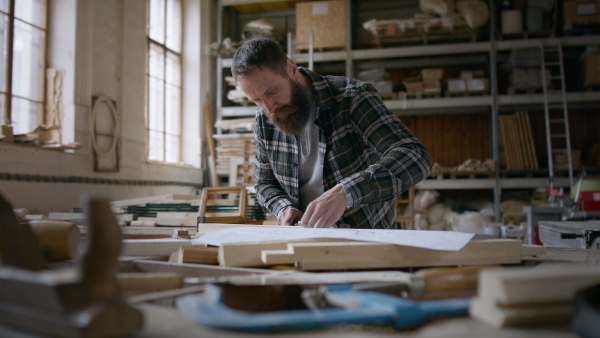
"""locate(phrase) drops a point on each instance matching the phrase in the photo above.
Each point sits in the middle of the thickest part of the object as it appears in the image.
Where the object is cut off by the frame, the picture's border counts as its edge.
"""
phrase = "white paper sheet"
(435, 240)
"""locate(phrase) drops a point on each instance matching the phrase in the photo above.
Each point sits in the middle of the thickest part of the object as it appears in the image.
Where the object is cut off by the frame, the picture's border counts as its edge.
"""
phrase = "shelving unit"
(491, 104)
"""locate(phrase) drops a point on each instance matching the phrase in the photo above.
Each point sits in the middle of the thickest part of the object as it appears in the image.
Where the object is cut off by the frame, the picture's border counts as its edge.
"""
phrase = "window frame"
(165, 50)
(7, 117)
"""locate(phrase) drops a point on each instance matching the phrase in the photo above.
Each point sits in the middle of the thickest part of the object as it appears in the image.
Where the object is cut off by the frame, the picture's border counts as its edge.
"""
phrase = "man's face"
(286, 102)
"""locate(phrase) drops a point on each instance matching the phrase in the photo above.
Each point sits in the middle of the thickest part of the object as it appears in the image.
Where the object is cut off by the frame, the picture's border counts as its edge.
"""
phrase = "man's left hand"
(324, 211)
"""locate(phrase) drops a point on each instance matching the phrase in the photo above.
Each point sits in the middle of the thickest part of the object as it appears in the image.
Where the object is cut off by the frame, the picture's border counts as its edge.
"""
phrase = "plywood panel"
(452, 139)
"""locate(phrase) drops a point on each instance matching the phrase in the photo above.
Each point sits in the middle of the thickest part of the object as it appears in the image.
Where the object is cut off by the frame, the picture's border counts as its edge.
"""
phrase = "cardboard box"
(432, 74)
(477, 85)
(389, 29)
(581, 12)
(432, 86)
(413, 85)
(456, 85)
(591, 69)
(327, 19)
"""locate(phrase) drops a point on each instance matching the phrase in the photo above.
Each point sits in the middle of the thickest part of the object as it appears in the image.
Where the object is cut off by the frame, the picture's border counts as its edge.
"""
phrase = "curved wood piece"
(18, 245)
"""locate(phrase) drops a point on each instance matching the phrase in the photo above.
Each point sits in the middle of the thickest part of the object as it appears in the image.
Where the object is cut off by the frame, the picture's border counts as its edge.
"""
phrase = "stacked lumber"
(517, 146)
(342, 254)
(522, 296)
(235, 157)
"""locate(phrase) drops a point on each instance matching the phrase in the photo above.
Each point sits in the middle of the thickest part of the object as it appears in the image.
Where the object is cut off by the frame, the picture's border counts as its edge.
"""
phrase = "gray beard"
(298, 111)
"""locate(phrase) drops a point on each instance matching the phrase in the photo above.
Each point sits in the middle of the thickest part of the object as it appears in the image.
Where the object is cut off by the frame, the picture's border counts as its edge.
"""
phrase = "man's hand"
(324, 211)
(288, 215)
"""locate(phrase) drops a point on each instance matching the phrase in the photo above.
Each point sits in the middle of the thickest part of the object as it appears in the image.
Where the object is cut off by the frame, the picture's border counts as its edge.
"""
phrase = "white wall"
(102, 46)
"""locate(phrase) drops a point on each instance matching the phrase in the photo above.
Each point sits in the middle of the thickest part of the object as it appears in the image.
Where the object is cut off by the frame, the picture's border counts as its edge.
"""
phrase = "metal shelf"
(488, 183)
(445, 49)
(238, 111)
(570, 41)
(440, 102)
(527, 99)
(449, 105)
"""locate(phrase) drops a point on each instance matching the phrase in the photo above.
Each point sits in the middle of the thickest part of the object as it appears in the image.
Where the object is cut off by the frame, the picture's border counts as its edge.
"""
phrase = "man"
(328, 151)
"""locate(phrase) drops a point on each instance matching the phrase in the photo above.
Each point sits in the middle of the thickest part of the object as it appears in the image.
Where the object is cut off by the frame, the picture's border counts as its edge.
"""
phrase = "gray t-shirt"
(311, 162)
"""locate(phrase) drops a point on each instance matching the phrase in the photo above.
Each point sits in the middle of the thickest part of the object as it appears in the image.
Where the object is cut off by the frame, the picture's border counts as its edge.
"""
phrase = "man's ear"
(291, 67)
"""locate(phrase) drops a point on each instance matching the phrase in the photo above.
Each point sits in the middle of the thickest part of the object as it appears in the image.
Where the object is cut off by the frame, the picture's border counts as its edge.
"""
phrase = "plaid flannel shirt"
(366, 149)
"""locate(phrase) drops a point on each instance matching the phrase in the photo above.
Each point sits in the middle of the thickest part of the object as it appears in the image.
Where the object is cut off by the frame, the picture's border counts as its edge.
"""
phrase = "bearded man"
(328, 151)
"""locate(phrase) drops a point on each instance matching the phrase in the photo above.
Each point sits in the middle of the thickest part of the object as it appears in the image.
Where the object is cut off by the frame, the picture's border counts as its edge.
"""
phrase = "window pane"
(172, 152)
(174, 25)
(4, 46)
(28, 62)
(25, 115)
(4, 5)
(155, 145)
(2, 106)
(173, 70)
(156, 94)
(156, 62)
(157, 21)
(31, 11)
(173, 122)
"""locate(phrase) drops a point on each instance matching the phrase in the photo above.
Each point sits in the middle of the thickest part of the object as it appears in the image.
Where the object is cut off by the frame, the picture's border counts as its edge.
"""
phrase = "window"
(22, 63)
(164, 81)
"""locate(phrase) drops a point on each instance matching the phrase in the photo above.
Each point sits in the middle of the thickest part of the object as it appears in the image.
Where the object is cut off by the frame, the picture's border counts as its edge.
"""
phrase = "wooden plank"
(544, 284)
(533, 250)
(531, 143)
(196, 255)
(516, 149)
(521, 140)
(152, 199)
(329, 254)
(508, 147)
(152, 247)
(524, 142)
(249, 254)
(499, 317)
(525, 296)
(376, 255)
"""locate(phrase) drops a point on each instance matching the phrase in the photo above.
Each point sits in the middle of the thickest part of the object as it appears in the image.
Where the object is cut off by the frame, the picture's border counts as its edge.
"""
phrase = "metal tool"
(354, 307)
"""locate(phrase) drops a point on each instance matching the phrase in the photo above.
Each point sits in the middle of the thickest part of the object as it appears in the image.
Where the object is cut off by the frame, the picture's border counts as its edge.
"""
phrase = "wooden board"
(195, 255)
(152, 199)
(249, 254)
(327, 254)
(525, 296)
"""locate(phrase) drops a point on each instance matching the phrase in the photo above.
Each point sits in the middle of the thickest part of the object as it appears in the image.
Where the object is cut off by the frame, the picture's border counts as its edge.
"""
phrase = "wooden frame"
(239, 218)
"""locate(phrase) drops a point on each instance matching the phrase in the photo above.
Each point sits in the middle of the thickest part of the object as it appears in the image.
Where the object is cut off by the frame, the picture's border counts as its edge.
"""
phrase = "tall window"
(22, 63)
(164, 81)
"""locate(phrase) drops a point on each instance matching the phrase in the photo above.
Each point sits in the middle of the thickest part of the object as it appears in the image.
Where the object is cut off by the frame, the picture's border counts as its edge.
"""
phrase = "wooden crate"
(328, 21)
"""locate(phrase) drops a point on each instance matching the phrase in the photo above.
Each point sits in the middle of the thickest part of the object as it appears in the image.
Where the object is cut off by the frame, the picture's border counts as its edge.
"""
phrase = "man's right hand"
(288, 215)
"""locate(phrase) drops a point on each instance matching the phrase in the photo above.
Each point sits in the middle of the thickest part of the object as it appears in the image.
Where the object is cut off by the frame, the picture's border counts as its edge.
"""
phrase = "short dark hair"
(259, 53)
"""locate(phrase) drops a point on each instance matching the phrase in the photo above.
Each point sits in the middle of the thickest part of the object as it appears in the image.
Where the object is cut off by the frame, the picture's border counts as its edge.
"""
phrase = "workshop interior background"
(464, 87)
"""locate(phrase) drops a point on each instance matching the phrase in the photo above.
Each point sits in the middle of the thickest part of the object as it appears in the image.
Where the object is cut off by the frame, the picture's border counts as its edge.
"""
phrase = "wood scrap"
(195, 255)
(525, 296)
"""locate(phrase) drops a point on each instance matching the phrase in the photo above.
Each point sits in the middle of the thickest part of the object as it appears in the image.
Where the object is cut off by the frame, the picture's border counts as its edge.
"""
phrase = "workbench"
(165, 321)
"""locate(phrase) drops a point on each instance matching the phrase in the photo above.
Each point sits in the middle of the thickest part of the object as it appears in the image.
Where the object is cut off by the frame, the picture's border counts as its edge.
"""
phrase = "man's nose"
(270, 107)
